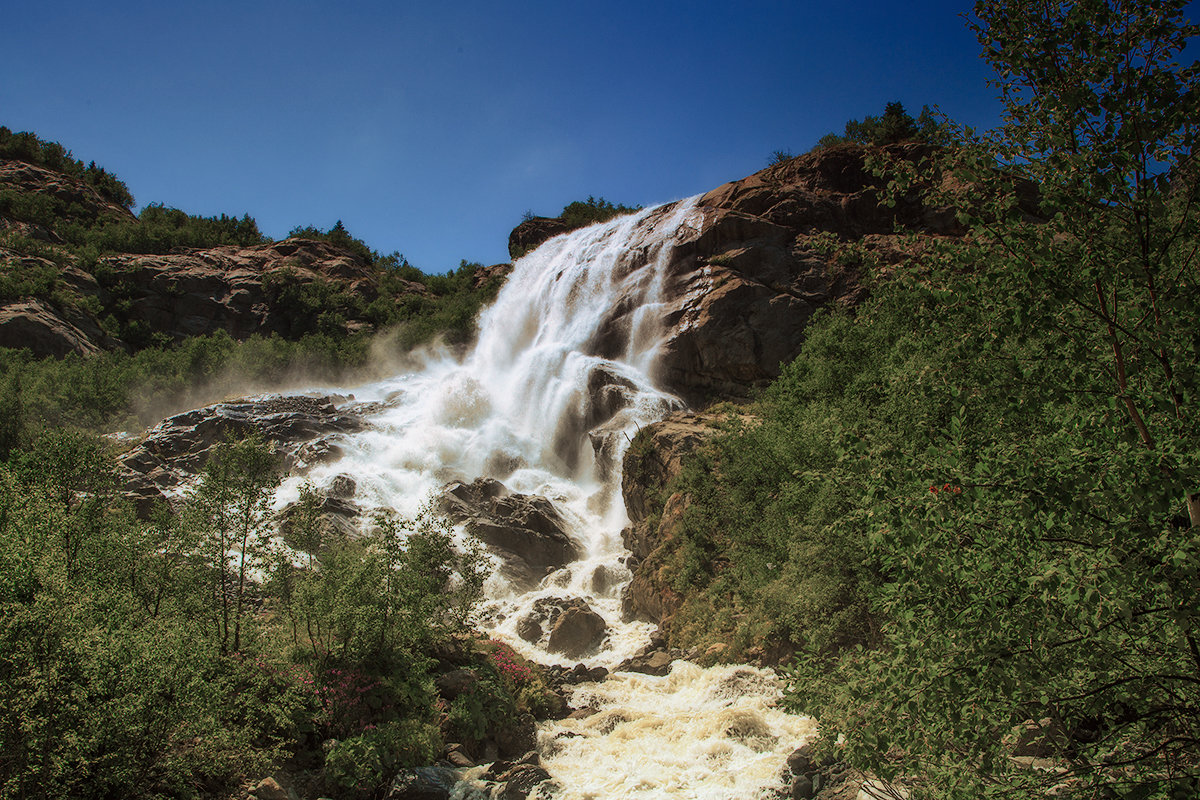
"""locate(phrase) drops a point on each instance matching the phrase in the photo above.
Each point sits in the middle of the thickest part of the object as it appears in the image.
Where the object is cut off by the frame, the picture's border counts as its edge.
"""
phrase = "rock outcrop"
(239, 290)
(176, 449)
(45, 329)
(532, 232)
(746, 281)
(81, 202)
(525, 531)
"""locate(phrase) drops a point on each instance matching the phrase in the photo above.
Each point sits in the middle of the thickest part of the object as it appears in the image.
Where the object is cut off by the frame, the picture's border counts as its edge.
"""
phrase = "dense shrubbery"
(140, 659)
(591, 211)
(114, 390)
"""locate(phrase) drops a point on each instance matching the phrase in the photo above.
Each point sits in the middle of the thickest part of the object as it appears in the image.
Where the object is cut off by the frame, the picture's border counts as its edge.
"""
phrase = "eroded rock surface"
(526, 531)
(176, 449)
(46, 330)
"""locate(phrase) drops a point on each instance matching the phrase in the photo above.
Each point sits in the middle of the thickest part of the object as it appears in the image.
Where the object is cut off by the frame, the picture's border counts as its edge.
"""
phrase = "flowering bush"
(508, 664)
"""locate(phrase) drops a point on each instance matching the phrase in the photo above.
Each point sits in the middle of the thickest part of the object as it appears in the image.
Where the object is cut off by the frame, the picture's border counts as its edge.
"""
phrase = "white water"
(516, 409)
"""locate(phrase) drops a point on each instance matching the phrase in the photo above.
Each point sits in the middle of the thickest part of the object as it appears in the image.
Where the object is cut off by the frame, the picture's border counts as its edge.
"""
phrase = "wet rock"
(519, 782)
(605, 578)
(423, 783)
(802, 788)
(335, 511)
(655, 662)
(177, 449)
(525, 531)
(607, 393)
(529, 629)
(519, 736)
(577, 631)
(801, 761)
(457, 758)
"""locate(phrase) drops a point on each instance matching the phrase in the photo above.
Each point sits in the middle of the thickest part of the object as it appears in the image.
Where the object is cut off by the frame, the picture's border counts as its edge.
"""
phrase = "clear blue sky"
(429, 128)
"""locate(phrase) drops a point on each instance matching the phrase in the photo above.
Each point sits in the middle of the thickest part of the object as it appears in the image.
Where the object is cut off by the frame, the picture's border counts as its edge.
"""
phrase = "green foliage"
(363, 763)
(591, 211)
(339, 236)
(113, 390)
(28, 147)
(162, 229)
(1030, 499)
(141, 660)
(895, 125)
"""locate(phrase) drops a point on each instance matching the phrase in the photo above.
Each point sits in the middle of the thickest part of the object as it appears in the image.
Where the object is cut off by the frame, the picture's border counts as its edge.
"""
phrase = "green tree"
(232, 507)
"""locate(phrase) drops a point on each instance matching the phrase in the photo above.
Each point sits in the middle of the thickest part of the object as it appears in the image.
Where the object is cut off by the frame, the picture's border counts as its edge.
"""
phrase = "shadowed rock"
(176, 449)
(525, 531)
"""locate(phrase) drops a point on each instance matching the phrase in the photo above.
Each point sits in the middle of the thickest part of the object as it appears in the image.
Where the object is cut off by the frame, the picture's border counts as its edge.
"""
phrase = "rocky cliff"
(757, 260)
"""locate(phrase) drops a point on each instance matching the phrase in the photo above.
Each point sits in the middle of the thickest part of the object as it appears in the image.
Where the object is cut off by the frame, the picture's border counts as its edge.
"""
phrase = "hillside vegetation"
(972, 508)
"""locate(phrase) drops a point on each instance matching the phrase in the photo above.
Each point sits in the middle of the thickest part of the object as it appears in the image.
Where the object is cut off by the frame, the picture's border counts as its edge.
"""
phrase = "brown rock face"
(47, 331)
(232, 289)
(577, 631)
(85, 204)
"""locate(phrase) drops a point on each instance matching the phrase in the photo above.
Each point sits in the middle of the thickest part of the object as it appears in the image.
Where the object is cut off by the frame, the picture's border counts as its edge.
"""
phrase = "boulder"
(525, 531)
(529, 629)
(517, 737)
(519, 782)
(335, 512)
(577, 631)
(649, 662)
(456, 682)
(270, 789)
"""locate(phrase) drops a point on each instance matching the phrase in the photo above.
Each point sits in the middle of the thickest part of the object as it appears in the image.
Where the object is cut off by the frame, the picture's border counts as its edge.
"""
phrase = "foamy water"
(516, 408)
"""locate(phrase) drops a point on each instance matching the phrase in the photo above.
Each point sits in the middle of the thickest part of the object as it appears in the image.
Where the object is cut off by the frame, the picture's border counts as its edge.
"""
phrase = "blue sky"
(429, 128)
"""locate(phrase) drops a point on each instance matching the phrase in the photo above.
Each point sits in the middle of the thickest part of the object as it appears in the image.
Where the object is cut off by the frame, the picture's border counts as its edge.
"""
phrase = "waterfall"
(546, 402)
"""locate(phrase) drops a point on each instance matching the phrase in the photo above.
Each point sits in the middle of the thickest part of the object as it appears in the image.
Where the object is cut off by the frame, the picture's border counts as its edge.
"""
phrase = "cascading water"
(546, 402)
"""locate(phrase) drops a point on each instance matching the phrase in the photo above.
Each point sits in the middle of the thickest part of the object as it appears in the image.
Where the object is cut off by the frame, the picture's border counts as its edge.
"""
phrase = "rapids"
(519, 408)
